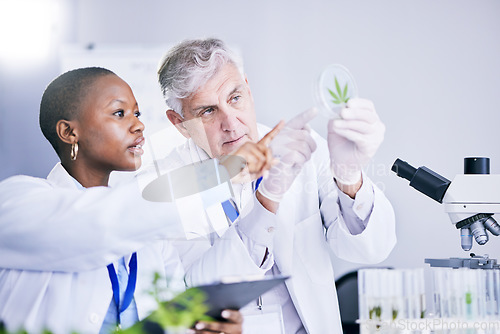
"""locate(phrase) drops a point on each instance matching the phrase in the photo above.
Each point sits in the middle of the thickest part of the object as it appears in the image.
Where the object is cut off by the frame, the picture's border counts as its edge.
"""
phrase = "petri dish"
(334, 87)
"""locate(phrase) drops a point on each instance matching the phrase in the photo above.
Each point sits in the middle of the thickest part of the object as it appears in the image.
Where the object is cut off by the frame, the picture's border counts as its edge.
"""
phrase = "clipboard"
(235, 295)
(224, 295)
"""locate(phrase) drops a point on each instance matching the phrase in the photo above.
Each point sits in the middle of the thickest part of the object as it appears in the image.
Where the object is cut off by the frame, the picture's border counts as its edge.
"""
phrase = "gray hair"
(189, 65)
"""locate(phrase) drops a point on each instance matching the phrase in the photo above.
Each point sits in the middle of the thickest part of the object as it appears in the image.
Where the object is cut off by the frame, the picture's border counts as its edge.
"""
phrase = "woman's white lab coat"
(310, 222)
(56, 241)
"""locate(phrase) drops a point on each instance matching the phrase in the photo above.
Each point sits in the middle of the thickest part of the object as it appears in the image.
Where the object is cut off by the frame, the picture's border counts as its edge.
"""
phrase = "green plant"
(468, 298)
(183, 311)
(375, 311)
(394, 314)
(341, 96)
(180, 312)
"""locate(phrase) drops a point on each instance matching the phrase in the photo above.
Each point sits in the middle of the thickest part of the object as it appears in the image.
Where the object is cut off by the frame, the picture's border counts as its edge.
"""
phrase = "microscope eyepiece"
(423, 179)
(403, 169)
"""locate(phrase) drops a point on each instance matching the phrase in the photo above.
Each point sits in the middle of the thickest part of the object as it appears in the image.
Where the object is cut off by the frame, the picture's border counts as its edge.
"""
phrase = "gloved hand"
(292, 147)
(353, 140)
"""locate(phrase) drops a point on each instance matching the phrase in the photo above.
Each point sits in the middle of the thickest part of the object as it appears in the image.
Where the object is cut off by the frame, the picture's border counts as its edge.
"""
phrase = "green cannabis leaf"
(341, 95)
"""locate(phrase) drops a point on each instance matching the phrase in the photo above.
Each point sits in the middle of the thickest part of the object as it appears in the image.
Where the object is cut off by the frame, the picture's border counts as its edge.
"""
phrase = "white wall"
(431, 68)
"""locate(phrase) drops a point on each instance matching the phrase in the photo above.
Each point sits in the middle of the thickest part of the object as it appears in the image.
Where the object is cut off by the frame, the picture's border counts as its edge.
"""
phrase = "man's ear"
(178, 121)
(66, 131)
(248, 87)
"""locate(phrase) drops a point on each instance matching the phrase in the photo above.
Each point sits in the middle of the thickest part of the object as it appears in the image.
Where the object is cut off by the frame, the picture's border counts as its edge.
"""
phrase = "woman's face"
(110, 134)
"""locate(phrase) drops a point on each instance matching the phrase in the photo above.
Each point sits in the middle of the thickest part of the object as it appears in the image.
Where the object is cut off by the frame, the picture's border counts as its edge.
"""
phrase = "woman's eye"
(119, 113)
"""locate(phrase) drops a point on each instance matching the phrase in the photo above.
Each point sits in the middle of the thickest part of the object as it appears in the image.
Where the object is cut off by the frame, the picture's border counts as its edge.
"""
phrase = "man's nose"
(229, 120)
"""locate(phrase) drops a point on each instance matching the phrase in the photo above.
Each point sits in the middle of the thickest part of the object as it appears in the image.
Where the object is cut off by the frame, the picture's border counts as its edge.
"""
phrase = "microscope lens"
(479, 232)
(492, 226)
(466, 238)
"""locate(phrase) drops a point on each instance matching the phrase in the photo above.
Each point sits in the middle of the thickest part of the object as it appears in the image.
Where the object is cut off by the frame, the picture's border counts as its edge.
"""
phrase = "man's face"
(220, 115)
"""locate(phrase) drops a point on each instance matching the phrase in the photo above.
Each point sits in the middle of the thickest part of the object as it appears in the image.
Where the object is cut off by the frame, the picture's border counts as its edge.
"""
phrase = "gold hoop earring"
(74, 151)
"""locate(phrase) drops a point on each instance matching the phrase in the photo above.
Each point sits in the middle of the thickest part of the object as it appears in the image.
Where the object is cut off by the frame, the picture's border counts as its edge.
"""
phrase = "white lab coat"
(56, 241)
(301, 241)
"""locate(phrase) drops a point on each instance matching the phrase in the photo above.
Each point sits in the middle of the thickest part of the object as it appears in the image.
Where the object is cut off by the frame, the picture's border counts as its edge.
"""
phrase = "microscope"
(470, 200)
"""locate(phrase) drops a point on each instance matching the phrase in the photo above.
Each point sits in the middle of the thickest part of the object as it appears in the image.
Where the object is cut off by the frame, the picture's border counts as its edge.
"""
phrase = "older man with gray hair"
(316, 198)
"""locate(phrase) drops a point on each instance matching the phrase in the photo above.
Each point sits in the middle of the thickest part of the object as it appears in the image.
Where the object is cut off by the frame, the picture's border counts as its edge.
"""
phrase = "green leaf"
(333, 94)
(344, 94)
(468, 298)
(336, 99)
(337, 86)
(394, 314)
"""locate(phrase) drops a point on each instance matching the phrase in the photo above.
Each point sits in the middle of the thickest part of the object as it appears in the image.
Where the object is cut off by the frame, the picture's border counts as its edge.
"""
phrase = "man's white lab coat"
(56, 241)
(309, 222)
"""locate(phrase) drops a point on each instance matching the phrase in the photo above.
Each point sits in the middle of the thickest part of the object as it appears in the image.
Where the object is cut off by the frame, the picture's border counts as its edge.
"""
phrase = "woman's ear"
(178, 121)
(66, 131)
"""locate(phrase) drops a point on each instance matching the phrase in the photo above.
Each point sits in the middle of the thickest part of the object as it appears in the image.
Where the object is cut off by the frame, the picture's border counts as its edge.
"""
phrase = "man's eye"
(137, 114)
(207, 111)
(236, 98)
(119, 113)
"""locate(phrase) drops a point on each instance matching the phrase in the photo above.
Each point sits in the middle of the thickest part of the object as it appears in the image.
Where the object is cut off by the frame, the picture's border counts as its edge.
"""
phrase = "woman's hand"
(232, 325)
(252, 160)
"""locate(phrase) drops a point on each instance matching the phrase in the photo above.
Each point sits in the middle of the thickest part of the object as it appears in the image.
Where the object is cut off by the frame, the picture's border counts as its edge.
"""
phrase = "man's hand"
(353, 141)
(293, 147)
(232, 325)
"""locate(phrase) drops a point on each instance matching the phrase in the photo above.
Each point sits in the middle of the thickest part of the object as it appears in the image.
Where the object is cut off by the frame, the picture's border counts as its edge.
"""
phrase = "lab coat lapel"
(283, 244)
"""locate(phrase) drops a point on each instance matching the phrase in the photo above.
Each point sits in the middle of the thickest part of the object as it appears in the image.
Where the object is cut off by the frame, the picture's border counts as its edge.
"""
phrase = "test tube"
(436, 273)
(444, 277)
(362, 295)
(457, 300)
(490, 293)
(481, 293)
(385, 302)
(369, 294)
(496, 278)
(421, 292)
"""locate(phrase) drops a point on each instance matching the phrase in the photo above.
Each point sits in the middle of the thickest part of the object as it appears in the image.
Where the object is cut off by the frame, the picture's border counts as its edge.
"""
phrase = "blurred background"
(432, 69)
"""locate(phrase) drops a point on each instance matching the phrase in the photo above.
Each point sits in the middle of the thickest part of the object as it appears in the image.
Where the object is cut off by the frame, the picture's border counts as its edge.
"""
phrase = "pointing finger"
(271, 134)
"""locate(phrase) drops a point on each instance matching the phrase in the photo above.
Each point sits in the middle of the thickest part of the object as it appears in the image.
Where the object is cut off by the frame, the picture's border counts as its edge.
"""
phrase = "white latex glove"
(354, 139)
(292, 147)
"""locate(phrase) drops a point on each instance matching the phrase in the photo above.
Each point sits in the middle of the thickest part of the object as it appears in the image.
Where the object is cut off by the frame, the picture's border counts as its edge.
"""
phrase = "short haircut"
(189, 65)
(63, 98)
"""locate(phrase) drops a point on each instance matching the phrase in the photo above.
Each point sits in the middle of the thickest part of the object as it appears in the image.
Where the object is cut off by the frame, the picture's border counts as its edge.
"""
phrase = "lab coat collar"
(196, 152)
(59, 177)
